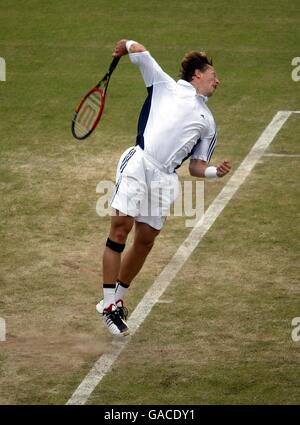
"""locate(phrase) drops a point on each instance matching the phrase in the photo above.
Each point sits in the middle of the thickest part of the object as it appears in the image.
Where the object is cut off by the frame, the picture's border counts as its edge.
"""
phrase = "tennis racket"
(88, 113)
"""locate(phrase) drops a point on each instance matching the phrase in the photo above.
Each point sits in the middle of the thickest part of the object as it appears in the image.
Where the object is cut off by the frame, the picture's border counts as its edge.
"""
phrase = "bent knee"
(120, 228)
(119, 235)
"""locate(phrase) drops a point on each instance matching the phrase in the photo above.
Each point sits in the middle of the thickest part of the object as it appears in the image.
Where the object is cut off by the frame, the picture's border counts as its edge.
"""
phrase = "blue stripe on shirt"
(126, 159)
(143, 119)
(211, 147)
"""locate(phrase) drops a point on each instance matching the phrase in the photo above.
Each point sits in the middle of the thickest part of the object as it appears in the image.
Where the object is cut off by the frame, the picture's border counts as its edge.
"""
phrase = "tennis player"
(174, 124)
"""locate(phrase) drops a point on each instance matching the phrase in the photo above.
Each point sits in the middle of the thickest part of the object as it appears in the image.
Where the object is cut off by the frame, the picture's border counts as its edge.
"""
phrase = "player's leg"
(136, 255)
(133, 261)
(121, 226)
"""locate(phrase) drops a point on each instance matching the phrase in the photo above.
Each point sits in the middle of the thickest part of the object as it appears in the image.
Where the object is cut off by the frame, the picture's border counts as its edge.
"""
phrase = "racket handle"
(114, 63)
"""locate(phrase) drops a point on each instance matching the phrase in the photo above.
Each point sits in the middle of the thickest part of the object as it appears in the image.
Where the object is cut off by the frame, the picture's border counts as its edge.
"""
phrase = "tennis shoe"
(123, 311)
(112, 320)
(100, 307)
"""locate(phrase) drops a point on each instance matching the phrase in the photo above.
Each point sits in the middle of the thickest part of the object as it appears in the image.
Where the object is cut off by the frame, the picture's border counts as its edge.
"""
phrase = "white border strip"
(105, 362)
(282, 155)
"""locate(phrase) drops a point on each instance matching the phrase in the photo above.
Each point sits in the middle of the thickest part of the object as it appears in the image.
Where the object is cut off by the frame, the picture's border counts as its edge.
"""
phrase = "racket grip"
(114, 63)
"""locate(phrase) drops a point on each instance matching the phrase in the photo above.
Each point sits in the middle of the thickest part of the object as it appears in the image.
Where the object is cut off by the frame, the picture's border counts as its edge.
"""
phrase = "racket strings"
(87, 114)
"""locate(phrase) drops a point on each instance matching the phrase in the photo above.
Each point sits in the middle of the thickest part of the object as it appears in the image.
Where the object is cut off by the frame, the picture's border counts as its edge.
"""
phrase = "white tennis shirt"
(175, 122)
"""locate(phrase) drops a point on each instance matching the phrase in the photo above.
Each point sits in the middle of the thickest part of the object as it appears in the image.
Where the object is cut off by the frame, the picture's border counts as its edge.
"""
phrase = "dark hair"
(192, 61)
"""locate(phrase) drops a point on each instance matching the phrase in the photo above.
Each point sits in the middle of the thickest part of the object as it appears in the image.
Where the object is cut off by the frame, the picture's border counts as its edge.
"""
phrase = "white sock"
(121, 289)
(108, 295)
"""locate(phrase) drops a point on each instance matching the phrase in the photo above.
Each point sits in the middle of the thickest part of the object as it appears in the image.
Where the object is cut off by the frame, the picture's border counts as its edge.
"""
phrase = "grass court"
(222, 334)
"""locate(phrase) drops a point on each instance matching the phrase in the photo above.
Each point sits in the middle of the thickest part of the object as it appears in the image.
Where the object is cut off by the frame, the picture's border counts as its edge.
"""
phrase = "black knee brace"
(115, 246)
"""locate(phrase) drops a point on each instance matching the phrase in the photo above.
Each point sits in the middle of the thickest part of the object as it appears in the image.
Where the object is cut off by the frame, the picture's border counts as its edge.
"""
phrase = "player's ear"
(197, 73)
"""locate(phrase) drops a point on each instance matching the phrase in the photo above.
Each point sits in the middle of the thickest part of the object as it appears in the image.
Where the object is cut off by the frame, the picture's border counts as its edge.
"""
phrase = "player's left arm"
(200, 168)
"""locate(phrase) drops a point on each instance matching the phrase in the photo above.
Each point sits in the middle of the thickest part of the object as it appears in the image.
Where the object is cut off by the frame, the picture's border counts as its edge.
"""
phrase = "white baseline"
(105, 362)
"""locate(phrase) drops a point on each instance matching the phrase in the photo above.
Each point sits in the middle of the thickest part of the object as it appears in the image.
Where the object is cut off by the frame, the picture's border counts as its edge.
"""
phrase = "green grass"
(240, 284)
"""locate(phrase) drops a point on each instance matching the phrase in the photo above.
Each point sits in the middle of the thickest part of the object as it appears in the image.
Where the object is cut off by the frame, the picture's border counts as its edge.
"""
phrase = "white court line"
(283, 155)
(105, 362)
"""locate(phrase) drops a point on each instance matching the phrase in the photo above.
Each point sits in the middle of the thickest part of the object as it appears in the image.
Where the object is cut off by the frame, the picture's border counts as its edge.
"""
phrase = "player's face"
(207, 81)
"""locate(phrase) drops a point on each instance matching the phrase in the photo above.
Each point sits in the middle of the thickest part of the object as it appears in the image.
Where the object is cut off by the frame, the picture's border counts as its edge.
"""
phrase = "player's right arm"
(151, 71)
(121, 50)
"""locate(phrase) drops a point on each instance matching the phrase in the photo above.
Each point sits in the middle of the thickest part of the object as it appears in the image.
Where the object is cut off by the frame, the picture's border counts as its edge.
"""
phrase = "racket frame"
(101, 87)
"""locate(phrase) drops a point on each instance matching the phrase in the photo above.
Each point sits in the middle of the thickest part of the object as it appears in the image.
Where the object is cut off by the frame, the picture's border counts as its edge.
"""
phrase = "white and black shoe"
(123, 312)
(113, 320)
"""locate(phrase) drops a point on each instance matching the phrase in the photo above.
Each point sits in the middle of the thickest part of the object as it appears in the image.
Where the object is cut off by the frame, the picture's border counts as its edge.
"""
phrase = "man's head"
(197, 69)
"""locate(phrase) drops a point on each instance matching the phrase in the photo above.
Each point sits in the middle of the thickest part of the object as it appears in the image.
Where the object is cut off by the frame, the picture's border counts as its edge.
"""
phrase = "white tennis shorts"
(143, 189)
